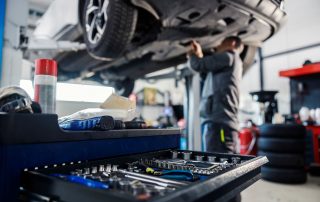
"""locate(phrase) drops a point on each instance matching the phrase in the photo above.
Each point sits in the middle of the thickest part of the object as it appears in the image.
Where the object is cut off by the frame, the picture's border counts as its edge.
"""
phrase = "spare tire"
(108, 27)
(282, 130)
(283, 160)
(288, 176)
(281, 145)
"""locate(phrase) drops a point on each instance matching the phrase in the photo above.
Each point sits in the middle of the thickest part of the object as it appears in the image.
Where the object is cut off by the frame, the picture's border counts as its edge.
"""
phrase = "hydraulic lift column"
(2, 16)
(193, 114)
(13, 22)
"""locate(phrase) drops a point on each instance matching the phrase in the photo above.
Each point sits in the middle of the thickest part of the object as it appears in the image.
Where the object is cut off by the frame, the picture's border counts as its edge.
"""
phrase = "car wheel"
(282, 130)
(281, 145)
(288, 176)
(283, 160)
(108, 27)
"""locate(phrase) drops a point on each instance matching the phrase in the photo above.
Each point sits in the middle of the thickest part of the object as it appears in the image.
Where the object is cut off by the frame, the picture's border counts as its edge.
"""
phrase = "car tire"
(314, 169)
(108, 37)
(281, 145)
(282, 131)
(287, 176)
(283, 160)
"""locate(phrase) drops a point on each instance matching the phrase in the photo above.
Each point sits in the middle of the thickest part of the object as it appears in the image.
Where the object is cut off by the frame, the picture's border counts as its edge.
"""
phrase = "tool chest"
(216, 186)
(41, 162)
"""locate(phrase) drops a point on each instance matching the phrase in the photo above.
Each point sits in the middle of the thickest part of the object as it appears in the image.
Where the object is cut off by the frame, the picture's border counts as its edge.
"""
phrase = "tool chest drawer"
(166, 175)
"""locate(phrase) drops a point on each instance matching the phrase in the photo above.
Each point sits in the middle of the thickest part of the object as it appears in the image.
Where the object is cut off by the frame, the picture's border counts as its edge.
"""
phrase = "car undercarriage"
(137, 37)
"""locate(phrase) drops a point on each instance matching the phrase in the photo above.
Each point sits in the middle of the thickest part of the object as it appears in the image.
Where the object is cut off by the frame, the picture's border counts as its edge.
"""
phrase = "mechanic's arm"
(212, 63)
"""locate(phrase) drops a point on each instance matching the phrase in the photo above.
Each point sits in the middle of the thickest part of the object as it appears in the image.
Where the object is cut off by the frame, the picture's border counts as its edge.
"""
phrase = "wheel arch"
(146, 6)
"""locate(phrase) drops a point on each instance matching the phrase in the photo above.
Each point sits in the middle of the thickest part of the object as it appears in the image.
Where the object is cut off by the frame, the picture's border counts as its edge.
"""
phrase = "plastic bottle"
(45, 81)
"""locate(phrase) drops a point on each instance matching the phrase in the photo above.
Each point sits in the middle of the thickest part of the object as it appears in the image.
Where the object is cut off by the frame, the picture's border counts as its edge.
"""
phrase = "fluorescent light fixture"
(74, 92)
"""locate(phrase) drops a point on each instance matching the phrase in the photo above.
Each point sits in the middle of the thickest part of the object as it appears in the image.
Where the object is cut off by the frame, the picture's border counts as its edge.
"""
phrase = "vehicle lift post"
(13, 23)
(193, 115)
(2, 17)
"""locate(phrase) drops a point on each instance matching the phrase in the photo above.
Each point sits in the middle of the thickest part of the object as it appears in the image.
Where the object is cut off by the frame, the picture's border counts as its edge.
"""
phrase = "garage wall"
(153, 112)
(164, 85)
(302, 29)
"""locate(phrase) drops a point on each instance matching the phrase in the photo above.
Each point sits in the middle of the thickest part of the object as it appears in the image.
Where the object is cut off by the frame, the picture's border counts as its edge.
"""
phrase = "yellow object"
(150, 96)
(222, 135)
(150, 170)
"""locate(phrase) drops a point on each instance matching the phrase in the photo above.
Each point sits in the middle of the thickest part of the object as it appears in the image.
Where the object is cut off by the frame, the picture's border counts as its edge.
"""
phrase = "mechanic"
(220, 93)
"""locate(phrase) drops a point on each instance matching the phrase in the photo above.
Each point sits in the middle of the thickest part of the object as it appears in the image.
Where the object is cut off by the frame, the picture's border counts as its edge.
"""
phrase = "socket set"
(113, 177)
(144, 177)
(200, 164)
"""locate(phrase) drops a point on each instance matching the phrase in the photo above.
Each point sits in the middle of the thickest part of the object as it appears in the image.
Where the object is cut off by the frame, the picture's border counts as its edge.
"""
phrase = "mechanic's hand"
(196, 49)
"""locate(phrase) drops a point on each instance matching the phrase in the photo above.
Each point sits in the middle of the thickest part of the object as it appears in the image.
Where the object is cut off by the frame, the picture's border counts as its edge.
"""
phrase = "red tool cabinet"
(316, 142)
(305, 91)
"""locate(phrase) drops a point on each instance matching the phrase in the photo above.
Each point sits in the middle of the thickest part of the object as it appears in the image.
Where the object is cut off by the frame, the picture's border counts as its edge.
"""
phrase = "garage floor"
(264, 191)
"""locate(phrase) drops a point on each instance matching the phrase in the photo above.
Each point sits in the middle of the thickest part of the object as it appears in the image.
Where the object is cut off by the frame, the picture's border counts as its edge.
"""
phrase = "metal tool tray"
(221, 187)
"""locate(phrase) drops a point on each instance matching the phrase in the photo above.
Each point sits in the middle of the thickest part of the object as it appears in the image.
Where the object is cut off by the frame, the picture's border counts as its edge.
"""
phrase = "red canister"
(45, 81)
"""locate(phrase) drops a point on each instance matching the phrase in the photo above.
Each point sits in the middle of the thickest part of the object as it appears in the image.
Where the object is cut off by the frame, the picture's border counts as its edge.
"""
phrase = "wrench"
(157, 179)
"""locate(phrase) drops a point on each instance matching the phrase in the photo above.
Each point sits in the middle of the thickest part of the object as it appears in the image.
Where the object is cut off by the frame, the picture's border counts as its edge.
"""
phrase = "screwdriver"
(103, 123)
(111, 124)
(83, 181)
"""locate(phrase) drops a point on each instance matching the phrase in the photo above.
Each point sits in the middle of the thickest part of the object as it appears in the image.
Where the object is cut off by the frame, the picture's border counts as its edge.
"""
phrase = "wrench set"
(147, 176)
(202, 165)
(140, 185)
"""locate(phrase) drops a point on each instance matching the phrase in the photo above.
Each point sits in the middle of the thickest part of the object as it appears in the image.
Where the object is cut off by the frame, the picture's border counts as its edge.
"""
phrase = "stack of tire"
(284, 146)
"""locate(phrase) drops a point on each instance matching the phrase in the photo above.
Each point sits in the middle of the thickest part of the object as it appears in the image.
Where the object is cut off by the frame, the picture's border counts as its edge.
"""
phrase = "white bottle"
(313, 114)
(317, 116)
(304, 114)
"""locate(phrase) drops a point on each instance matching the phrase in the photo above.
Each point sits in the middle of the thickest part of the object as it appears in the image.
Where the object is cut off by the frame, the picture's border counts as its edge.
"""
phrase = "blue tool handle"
(178, 175)
(96, 123)
(86, 124)
(83, 181)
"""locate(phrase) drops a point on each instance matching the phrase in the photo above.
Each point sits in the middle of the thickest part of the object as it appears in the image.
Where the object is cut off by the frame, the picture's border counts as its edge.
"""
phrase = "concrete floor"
(264, 191)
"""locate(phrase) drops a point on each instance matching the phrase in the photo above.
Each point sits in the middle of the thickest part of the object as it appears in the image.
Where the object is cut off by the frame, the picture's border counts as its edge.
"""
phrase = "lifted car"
(127, 39)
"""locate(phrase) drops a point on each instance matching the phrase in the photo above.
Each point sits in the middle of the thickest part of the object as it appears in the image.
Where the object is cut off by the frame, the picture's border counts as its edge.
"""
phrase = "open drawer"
(166, 175)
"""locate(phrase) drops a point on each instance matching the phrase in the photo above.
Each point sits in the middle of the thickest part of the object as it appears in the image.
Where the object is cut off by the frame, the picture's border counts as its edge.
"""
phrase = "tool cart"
(41, 162)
